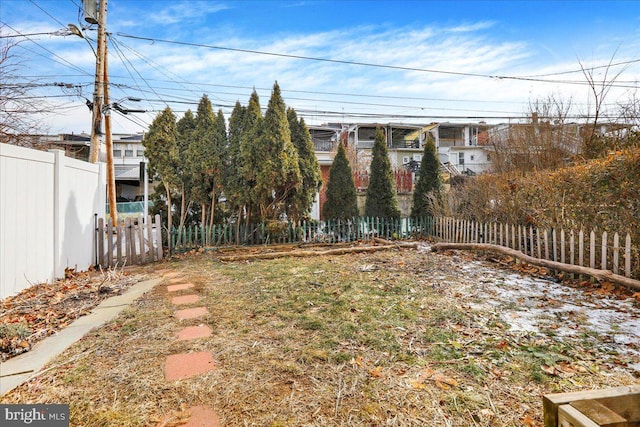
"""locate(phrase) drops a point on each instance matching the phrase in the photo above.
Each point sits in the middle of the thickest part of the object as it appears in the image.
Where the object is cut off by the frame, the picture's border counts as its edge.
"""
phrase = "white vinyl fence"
(47, 206)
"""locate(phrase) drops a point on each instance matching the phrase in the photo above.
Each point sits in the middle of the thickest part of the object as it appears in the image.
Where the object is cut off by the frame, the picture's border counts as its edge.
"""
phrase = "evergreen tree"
(250, 151)
(278, 174)
(300, 202)
(204, 156)
(381, 194)
(429, 182)
(160, 145)
(220, 141)
(341, 200)
(185, 128)
(234, 185)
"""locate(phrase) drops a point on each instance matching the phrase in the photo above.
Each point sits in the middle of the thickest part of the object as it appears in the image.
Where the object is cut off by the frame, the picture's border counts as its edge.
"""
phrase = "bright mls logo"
(34, 415)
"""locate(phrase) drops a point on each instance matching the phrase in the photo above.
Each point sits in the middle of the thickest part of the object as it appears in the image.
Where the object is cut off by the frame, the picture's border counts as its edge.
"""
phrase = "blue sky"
(466, 42)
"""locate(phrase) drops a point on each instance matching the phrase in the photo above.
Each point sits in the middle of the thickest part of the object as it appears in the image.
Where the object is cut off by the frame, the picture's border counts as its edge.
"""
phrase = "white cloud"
(185, 12)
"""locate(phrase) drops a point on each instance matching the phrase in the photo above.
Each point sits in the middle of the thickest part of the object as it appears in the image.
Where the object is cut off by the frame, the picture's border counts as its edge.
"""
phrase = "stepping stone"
(185, 299)
(174, 288)
(201, 416)
(194, 332)
(186, 365)
(196, 416)
(191, 313)
(176, 280)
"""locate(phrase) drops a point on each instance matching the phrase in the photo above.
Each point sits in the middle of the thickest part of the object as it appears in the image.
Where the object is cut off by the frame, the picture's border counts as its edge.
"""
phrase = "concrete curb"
(20, 369)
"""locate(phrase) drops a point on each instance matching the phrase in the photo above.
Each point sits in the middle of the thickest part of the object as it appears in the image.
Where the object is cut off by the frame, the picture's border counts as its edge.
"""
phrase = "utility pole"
(98, 88)
(101, 106)
(111, 174)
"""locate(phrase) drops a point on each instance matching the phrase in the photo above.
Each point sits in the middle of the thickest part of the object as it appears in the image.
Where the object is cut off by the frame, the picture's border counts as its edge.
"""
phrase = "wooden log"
(601, 275)
(303, 254)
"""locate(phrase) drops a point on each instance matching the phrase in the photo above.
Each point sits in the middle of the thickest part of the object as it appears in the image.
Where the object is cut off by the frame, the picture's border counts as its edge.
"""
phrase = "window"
(140, 152)
(461, 159)
(128, 153)
(472, 157)
(417, 157)
(117, 153)
(405, 160)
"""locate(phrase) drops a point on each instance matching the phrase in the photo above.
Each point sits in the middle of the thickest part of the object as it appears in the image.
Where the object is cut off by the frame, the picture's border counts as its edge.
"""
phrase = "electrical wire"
(47, 13)
(366, 64)
(64, 61)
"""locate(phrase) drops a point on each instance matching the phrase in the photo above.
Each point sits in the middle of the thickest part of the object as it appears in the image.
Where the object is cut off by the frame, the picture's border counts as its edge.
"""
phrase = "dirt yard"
(396, 338)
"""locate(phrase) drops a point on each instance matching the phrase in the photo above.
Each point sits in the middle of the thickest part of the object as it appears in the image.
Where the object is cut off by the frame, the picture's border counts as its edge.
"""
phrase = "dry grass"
(356, 340)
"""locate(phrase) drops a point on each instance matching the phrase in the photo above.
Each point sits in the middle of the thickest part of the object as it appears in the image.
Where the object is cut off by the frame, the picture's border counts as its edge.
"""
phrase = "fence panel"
(132, 241)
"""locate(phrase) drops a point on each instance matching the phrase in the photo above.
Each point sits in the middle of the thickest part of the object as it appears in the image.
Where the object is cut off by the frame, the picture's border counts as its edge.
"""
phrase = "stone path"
(187, 365)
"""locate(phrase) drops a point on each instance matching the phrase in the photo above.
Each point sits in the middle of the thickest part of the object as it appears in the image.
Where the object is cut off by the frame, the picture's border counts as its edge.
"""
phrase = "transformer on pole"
(90, 11)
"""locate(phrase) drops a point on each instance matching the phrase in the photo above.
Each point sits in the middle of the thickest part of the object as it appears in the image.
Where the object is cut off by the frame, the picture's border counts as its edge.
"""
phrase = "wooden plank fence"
(131, 241)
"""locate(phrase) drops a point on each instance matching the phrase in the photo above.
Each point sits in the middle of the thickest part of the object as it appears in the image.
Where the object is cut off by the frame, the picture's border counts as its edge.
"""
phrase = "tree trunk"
(169, 216)
(600, 275)
(213, 207)
(182, 210)
(238, 226)
(203, 222)
(248, 217)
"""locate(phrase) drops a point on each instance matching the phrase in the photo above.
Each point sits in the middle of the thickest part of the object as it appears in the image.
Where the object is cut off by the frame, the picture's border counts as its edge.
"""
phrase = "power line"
(47, 13)
(366, 64)
(49, 51)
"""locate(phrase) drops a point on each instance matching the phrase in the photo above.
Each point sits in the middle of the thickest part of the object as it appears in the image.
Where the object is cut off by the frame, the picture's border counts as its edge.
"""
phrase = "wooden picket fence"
(600, 250)
(403, 179)
(131, 241)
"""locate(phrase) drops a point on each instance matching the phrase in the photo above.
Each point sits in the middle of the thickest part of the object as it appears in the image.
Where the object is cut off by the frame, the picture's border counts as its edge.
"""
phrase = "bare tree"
(545, 141)
(19, 109)
(594, 144)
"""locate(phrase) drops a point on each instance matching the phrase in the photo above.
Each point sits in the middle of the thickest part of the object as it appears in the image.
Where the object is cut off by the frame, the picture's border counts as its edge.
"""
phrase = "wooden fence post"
(592, 249)
(581, 248)
(149, 226)
(604, 250)
(546, 244)
(143, 255)
(627, 262)
(158, 237)
(562, 246)
(531, 246)
(616, 253)
(119, 237)
(100, 237)
(108, 257)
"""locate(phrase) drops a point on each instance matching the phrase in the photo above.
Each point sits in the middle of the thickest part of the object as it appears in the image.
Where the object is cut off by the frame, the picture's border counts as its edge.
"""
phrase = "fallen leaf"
(528, 421)
(418, 385)
(442, 379)
(376, 372)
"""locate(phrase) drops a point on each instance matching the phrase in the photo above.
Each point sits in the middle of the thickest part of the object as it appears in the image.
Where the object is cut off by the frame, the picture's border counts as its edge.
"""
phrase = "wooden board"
(551, 402)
